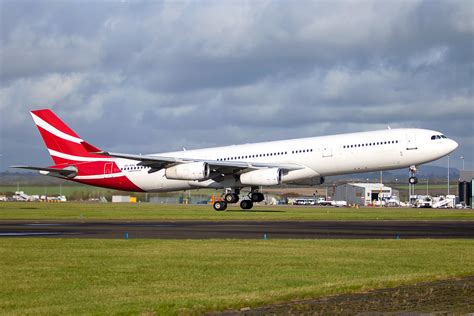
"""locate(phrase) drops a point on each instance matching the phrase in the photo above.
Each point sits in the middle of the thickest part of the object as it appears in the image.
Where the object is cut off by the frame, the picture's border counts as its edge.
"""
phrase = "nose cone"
(452, 145)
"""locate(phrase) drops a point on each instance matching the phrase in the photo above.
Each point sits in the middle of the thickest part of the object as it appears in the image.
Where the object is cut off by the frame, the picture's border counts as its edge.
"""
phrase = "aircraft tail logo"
(63, 144)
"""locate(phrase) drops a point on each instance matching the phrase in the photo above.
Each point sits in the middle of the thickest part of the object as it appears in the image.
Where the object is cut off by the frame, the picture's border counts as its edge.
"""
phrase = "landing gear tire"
(220, 205)
(413, 180)
(257, 197)
(246, 204)
(231, 198)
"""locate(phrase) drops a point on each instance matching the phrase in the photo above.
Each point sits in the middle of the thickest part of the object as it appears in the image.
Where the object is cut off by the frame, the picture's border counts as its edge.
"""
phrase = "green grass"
(82, 189)
(145, 211)
(88, 276)
(52, 189)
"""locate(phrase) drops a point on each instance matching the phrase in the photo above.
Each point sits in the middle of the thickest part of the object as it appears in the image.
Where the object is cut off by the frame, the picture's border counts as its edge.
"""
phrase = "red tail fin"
(63, 144)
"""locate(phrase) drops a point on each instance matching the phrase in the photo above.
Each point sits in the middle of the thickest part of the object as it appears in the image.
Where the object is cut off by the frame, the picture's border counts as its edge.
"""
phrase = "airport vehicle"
(231, 168)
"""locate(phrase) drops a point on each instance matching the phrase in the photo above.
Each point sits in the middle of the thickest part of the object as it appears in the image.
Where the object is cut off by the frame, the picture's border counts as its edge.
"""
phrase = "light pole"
(427, 186)
(448, 174)
(462, 159)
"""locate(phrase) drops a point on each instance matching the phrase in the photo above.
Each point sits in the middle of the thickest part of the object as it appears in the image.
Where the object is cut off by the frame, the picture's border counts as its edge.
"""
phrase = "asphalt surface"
(238, 229)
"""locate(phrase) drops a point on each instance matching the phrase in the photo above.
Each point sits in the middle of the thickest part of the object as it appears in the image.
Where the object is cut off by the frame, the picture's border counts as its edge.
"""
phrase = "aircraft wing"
(159, 162)
(68, 172)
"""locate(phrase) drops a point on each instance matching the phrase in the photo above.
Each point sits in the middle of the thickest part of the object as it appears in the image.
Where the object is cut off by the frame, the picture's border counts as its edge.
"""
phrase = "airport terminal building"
(466, 180)
(362, 193)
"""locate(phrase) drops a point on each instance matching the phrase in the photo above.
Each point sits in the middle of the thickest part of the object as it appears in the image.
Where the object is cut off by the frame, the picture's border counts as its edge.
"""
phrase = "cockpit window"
(438, 137)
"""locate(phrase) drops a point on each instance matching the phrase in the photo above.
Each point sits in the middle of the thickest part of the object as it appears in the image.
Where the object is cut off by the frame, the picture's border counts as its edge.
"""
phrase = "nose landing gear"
(413, 179)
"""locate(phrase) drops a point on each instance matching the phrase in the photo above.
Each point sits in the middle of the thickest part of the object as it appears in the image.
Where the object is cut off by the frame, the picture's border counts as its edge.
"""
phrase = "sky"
(153, 76)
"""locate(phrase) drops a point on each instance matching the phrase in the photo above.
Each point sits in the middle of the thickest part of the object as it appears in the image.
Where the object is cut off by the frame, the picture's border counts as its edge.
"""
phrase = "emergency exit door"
(108, 169)
(411, 141)
(327, 151)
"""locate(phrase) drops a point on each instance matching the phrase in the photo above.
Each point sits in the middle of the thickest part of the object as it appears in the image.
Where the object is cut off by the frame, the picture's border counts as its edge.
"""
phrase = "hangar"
(466, 180)
(363, 193)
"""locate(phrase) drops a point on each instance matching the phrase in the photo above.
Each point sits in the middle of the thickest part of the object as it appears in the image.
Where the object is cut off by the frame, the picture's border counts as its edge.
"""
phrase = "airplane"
(303, 161)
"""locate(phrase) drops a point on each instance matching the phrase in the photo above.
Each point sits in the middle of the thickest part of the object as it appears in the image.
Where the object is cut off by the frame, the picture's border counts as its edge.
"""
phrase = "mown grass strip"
(84, 276)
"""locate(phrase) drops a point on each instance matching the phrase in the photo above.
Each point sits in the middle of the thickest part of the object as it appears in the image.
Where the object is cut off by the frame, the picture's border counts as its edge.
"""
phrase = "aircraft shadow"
(252, 211)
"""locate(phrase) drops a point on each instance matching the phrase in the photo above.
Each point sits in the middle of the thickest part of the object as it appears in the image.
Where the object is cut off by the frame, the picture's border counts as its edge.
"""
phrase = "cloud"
(153, 76)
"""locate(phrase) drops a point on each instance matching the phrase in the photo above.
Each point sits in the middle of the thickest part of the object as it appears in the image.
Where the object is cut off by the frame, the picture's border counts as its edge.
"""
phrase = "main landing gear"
(220, 205)
(233, 197)
(413, 179)
(229, 198)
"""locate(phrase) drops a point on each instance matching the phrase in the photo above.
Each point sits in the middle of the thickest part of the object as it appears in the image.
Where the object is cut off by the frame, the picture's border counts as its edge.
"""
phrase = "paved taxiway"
(238, 229)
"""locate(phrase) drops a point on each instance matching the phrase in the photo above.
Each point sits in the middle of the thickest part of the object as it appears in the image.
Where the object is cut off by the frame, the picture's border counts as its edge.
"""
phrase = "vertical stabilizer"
(63, 144)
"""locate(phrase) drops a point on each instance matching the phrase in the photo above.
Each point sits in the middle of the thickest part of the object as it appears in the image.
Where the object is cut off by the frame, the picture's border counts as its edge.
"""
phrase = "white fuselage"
(320, 156)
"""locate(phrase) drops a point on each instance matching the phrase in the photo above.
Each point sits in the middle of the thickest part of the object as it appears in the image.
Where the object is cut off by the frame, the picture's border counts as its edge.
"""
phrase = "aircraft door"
(411, 141)
(327, 151)
(108, 169)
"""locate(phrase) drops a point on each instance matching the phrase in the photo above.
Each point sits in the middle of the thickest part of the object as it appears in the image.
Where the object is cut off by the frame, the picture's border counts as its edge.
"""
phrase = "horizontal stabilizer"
(91, 148)
(68, 172)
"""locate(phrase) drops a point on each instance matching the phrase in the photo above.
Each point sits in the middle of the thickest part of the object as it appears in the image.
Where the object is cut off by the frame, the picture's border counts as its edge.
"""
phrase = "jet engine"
(270, 176)
(188, 171)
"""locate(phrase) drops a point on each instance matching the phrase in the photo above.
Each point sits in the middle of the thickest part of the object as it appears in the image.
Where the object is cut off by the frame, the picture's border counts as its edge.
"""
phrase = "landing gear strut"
(413, 179)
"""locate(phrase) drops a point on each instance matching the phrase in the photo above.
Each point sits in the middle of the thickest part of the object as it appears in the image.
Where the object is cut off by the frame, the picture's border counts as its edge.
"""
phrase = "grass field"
(53, 189)
(75, 191)
(87, 276)
(85, 192)
(50, 276)
(146, 211)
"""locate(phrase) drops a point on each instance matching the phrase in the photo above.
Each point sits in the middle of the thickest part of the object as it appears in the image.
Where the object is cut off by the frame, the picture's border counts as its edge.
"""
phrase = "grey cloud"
(151, 76)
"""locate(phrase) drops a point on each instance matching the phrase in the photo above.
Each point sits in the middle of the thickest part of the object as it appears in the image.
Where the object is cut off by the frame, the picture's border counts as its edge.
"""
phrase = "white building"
(363, 193)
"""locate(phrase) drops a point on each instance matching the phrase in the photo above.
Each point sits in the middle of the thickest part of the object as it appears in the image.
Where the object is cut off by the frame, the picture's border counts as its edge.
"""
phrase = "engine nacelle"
(188, 171)
(270, 176)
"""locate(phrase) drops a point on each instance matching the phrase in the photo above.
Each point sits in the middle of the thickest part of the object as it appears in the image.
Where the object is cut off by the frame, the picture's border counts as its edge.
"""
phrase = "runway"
(238, 229)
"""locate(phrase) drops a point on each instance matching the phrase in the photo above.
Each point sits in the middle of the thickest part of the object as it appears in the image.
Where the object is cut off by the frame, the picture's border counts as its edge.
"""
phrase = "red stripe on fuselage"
(101, 169)
(91, 168)
(117, 183)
